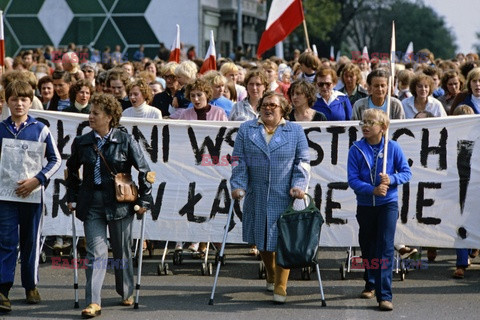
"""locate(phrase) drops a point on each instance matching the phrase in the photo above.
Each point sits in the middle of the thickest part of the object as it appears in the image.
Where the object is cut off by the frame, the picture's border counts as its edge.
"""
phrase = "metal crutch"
(75, 258)
(140, 258)
(220, 258)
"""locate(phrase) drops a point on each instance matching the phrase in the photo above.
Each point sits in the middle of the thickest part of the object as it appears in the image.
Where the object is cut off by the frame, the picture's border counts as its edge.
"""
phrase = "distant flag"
(408, 57)
(332, 54)
(365, 53)
(175, 50)
(284, 16)
(210, 62)
(2, 41)
(339, 53)
(314, 49)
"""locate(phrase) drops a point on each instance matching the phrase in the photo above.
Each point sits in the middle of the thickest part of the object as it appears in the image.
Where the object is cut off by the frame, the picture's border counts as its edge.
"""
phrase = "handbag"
(125, 188)
(298, 236)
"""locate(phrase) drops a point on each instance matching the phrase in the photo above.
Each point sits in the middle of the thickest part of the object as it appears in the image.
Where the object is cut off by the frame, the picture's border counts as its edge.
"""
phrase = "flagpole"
(306, 34)
(389, 97)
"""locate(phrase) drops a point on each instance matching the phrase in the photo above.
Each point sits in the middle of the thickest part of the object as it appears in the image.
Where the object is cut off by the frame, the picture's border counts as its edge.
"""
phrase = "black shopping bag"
(298, 236)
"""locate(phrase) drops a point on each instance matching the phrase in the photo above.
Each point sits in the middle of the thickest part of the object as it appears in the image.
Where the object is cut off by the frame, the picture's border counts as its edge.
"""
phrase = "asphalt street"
(428, 292)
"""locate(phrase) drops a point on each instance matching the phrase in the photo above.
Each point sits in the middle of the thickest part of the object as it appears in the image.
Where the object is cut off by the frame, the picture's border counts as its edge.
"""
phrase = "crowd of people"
(268, 96)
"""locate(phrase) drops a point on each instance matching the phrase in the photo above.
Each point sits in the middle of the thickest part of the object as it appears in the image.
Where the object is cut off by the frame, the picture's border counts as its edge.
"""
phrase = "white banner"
(192, 196)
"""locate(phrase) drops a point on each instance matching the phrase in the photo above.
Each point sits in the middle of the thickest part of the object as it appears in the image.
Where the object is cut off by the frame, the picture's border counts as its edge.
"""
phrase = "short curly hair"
(200, 85)
(284, 104)
(144, 88)
(74, 89)
(416, 80)
(306, 88)
(108, 104)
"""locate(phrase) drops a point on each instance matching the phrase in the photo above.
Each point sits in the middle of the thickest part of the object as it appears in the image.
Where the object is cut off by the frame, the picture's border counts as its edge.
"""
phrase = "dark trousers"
(27, 217)
(376, 236)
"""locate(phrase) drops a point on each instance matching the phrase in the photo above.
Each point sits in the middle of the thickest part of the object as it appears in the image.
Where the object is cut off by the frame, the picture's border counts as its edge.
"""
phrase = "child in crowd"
(377, 201)
(18, 213)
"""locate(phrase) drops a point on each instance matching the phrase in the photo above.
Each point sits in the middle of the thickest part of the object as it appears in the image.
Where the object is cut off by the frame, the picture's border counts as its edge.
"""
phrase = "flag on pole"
(365, 53)
(389, 94)
(408, 57)
(210, 62)
(175, 51)
(2, 41)
(332, 53)
(284, 16)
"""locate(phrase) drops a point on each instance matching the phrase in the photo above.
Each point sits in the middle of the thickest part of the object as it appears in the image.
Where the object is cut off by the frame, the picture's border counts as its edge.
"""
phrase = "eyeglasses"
(272, 106)
(323, 84)
(369, 123)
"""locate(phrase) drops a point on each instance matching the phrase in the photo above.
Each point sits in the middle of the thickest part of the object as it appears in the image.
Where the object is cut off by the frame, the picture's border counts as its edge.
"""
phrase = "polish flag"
(332, 53)
(284, 16)
(210, 62)
(2, 41)
(175, 50)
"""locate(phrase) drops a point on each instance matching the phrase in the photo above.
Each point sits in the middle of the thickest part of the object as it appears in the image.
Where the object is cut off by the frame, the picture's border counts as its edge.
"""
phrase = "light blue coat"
(267, 172)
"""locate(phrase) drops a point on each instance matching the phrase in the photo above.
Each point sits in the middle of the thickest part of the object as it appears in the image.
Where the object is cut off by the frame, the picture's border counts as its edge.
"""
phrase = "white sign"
(20, 159)
(438, 207)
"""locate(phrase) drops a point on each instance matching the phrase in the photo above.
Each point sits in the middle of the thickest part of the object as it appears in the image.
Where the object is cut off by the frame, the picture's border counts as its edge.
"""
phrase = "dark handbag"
(125, 188)
(298, 236)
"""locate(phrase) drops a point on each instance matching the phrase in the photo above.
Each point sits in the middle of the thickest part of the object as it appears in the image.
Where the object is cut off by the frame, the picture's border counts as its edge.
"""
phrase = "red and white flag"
(175, 50)
(332, 53)
(284, 16)
(210, 62)
(2, 41)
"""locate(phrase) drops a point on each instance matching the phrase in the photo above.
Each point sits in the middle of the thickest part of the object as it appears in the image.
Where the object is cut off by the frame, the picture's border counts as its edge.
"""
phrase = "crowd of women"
(268, 96)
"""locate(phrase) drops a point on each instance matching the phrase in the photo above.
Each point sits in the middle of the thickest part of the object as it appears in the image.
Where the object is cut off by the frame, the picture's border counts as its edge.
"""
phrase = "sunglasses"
(323, 84)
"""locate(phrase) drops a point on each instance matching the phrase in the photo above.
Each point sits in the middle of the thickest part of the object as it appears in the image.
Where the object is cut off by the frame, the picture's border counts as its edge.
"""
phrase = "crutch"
(140, 257)
(222, 249)
(75, 258)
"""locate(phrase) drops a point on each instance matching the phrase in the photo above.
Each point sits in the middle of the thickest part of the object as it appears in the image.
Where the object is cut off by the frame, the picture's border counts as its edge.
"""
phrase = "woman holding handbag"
(105, 151)
(273, 165)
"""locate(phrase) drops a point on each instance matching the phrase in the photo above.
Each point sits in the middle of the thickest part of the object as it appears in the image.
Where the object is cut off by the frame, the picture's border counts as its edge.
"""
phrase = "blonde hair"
(214, 78)
(377, 114)
(228, 67)
(187, 69)
(463, 109)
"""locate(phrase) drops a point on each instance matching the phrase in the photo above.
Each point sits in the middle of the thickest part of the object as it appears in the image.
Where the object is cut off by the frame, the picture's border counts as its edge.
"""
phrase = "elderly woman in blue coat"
(273, 166)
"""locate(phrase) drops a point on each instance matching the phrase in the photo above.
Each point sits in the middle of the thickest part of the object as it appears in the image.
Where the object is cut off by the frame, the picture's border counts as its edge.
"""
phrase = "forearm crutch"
(75, 260)
(140, 258)
(220, 258)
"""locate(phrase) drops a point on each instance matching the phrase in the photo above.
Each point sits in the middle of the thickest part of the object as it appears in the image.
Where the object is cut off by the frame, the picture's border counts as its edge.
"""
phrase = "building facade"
(100, 23)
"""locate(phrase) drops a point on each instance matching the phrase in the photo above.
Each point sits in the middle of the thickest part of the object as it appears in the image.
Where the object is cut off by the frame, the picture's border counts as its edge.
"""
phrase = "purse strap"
(103, 158)
(311, 207)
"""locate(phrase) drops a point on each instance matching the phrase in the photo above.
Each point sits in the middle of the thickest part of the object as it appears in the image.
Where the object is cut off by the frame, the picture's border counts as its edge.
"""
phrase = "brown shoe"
(33, 297)
(5, 305)
(91, 311)
(474, 253)
(385, 305)
(127, 302)
(459, 273)
(367, 294)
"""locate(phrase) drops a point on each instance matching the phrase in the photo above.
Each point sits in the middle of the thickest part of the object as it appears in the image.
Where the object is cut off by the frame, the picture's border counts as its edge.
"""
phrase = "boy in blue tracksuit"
(377, 202)
(27, 216)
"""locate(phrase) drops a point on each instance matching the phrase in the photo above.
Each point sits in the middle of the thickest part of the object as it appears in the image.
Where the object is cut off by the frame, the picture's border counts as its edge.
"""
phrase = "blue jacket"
(35, 130)
(267, 172)
(360, 162)
(339, 109)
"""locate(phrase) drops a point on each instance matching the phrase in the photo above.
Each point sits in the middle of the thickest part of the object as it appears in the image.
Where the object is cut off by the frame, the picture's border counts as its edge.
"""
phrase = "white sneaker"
(58, 243)
(279, 298)
(194, 246)
(179, 246)
(406, 252)
(270, 286)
